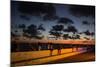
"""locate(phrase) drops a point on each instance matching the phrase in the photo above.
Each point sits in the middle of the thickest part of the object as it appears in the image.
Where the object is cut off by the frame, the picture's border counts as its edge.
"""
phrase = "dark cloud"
(93, 23)
(71, 29)
(25, 17)
(50, 17)
(77, 10)
(85, 23)
(45, 10)
(57, 34)
(87, 32)
(92, 33)
(64, 20)
(22, 26)
(57, 28)
(41, 27)
(35, 11)
(88, 23)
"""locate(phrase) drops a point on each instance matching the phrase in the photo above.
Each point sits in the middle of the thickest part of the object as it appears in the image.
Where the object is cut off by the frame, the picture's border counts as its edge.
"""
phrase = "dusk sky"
(62, 10)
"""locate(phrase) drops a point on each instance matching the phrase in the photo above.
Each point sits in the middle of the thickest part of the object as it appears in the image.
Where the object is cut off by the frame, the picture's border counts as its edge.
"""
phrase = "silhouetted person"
(51, 49)
(59, 49)
(39, 46)
(72, 48)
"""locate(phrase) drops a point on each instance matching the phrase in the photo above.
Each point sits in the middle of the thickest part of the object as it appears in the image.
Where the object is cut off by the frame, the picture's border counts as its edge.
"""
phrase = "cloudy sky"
(33, 13)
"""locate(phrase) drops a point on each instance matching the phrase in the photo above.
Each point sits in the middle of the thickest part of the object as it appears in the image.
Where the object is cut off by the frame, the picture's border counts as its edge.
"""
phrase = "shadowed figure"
(51, 49)
(59, 49)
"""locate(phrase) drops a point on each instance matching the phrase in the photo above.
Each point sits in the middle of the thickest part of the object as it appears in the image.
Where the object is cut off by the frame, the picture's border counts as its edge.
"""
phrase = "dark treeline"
(24, 47)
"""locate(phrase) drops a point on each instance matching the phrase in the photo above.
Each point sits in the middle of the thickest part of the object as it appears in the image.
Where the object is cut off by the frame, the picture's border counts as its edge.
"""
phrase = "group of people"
(51, 49)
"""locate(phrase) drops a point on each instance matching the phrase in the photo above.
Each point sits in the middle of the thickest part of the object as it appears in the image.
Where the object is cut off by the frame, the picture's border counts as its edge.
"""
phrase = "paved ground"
(52, 59)
(88, 56)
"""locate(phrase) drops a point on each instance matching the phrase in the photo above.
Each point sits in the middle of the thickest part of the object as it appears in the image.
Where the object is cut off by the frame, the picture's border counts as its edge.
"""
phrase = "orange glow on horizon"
(77, 41)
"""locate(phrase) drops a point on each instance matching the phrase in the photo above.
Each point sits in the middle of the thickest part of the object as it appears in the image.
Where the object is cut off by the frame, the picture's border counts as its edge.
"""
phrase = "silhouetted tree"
(41, 27)
(65, 36)
(12, 34)
(56, 31)
(71, 29)
(92, 33)
(77, 36)
(87, 32)
(33, 32)
(22, 27)
(88, 24)
(86, 38)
